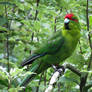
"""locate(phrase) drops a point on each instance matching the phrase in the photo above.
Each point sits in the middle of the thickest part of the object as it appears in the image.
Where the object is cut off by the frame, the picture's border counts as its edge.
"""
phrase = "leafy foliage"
(26, 25)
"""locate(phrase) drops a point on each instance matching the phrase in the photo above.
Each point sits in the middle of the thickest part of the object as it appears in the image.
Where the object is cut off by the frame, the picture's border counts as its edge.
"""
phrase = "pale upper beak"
(66, 20)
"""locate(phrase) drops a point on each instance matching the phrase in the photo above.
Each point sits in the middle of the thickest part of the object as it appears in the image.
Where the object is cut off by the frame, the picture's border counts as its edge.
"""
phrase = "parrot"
(57, 48)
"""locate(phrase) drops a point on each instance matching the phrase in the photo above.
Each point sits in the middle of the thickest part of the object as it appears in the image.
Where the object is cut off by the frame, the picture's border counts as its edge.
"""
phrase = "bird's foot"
(58, 68)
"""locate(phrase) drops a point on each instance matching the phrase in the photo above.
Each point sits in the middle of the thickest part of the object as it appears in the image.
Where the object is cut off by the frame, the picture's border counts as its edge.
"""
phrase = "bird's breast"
(67, 49)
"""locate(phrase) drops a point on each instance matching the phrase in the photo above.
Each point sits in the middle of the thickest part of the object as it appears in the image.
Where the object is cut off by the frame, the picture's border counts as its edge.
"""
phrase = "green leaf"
(4, 82)
(6, 3)
(90, 21)
(67, 79)
(3, 20)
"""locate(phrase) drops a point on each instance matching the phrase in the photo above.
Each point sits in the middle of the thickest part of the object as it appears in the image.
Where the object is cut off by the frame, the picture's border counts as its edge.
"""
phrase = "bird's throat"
(66, 25)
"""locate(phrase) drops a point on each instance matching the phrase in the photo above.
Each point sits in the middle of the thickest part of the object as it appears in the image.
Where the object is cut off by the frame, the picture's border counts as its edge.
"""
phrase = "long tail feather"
(37, 67)
(31, 59)
(29, 77)
(27, 80)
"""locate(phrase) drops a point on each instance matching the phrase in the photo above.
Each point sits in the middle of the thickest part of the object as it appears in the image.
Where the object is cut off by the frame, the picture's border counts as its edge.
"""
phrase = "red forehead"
(69, 16)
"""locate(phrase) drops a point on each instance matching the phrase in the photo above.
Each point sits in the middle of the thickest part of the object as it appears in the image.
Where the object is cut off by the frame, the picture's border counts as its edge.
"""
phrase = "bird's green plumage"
(55, 50)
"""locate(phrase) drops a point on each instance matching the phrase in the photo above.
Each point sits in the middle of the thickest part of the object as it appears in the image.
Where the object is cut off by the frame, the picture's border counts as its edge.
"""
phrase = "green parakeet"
(55, 49)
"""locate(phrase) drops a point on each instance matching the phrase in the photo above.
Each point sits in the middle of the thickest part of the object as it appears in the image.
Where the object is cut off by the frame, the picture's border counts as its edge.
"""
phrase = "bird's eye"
(68, 18)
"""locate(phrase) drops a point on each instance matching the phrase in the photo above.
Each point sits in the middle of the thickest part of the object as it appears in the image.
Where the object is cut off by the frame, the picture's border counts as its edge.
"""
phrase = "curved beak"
(66, 21)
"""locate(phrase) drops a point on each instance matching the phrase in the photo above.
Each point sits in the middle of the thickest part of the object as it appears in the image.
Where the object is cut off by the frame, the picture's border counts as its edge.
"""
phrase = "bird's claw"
(58, 68)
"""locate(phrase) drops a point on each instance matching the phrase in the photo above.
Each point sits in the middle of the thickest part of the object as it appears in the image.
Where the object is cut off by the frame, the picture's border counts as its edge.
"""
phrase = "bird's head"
(70, 21)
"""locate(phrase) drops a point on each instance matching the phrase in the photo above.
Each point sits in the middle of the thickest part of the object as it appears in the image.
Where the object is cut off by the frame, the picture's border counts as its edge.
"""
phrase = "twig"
(59, 84)
(55, 24)
(37, 90)
(32, 36)
(89, 37)
(36, 13)
(45, 78)
(73, 69)
(83, 79)
(7, 47)
(80, 47)
(88, 86)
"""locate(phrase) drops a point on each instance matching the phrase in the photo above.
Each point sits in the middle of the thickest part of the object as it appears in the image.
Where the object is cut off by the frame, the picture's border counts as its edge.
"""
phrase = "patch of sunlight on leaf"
(15, 89)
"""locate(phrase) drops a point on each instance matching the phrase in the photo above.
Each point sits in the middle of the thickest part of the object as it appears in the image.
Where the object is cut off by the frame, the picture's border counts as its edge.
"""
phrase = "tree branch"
(36, 13)
(73, 69)
(54, 79)
(55, 24)
(88, 86)
(89, 37)
(83, 79)
(7, 47)
(57, 74)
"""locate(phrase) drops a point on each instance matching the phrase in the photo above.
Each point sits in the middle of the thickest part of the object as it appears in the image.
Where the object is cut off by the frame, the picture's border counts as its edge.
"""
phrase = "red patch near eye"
(69, 16)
